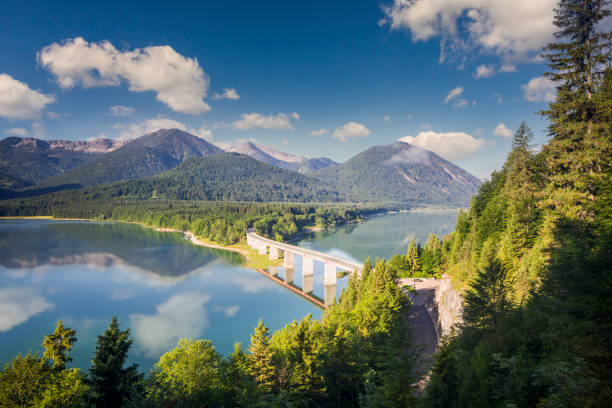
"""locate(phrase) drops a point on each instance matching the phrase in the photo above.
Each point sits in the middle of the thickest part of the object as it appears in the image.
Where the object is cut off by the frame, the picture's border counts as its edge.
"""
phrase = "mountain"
(146, 156)
(281, 159)
(27, 161)
(220, 177)
(400, 172)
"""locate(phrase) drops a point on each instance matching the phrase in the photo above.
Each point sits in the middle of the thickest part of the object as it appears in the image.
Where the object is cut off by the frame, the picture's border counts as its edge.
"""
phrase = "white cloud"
(387, 118)
(280, 121)
(19, 101)
(539, 89)
(484, 71)
(135, 130)
(498, 98)
(38, 130)
(20, 132)
(179, 82)
(460, 103)
(122, 294)
(502, 131)
(295, 115)
(19, 304)
(285, 142)
(228, 93)
(183, 315)
(120, 110)
(515, 30)
(450, 145)
(229, 311)
(351, 130)
(453, 93)
(319, 132)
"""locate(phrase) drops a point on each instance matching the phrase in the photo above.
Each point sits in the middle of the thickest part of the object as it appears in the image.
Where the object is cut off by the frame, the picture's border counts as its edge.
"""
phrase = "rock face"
(449, 306)
(402, 173)
(281, 159)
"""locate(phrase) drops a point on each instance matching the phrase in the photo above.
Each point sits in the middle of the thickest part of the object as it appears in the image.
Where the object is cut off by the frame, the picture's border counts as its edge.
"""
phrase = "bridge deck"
(339, 262)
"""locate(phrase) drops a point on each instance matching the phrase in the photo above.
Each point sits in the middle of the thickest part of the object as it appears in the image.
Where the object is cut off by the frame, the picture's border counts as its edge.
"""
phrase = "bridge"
(277, 250)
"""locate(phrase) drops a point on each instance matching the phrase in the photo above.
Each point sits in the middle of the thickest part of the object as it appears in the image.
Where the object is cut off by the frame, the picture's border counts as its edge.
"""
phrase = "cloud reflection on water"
(182, 315)
(18, 304)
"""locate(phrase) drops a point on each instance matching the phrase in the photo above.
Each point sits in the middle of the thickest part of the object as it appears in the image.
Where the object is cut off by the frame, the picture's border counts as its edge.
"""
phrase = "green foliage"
(190, 375)
(534, 249)
(111, 383)
(58, 344)
(260, 358)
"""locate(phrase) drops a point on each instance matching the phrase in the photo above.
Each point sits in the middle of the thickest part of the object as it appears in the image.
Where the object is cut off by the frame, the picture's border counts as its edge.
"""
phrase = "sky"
(317, 78)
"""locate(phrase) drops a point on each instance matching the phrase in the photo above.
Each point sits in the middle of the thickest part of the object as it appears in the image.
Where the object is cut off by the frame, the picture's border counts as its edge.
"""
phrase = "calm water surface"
(157, 283)
(160, 285)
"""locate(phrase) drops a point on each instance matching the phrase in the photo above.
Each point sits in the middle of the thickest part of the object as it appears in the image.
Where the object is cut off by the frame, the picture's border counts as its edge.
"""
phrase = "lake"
(160, 285)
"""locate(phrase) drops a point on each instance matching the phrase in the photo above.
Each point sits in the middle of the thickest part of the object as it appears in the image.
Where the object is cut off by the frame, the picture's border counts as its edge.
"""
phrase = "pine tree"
(111, 383)
(58, 344)
(261, 364)
(580, 150)
(413, 258)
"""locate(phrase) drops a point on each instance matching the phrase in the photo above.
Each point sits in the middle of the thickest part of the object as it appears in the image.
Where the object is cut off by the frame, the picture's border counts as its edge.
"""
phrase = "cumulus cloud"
(539, 89)
(135, 130)
(450, 145)
(183, 315)
(280, 121)
(349, 131)
(120, 110)
(20, 304)
(319, 132)
(20, 132)
(295, 115)
(179, 82)
(515, 30)
(502, 131)
(484, 71)
(19, 101)
(453, 93)
(227, 93)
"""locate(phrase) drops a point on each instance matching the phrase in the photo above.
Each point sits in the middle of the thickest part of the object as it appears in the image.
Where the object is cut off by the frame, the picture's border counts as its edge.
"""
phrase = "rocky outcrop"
(449, 305)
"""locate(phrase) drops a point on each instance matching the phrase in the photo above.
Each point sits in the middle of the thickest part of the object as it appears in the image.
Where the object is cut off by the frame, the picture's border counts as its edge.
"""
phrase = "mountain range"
(281, 159)
(174, 164)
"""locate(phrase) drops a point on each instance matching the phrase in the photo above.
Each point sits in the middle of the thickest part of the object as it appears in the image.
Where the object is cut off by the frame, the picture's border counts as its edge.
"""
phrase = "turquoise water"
(157, 283)
(161, 286)
(381, 236)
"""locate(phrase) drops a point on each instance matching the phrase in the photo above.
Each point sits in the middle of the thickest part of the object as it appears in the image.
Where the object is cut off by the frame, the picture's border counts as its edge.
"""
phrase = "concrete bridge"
(278, 250)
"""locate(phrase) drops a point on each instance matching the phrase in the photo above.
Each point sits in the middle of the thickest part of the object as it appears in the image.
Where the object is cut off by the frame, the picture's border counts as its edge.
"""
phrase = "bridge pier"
(329, 294)
(330, 274)
(288, 259)
(273, 254)
(263, 250)
(307, 265)
(288, 276)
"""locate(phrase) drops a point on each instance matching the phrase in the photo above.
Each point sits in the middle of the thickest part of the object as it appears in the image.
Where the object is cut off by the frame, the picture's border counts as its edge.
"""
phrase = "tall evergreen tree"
(111, 383)
(580, 149)
(413, 258)
(261, 364)
(58, 344)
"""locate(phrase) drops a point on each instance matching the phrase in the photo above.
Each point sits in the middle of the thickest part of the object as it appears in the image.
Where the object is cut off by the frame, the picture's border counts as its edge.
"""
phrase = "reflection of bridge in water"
(278, 250)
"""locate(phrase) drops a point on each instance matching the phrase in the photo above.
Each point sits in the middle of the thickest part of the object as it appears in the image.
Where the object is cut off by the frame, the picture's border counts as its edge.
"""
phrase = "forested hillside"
(146, 156)
(400, 172)
(534, 250)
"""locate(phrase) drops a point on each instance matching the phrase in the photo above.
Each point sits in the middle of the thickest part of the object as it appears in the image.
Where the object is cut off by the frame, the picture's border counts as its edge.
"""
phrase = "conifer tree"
(111, 383)
(58, 344)
(580, 150)
(413, 258)
(261, 354)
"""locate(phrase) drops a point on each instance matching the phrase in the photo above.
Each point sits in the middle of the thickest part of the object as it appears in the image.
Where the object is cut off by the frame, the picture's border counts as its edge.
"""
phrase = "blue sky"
(359, 73)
